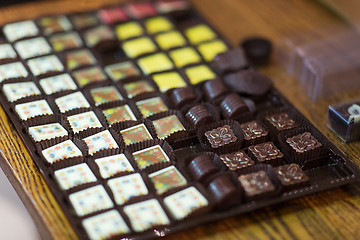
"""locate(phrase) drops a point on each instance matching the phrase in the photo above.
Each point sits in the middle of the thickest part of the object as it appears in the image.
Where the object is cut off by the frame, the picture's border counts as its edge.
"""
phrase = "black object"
(257, 50)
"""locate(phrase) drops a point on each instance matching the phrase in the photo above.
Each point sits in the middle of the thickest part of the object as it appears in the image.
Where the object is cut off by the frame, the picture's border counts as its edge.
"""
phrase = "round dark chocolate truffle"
(198, 116)
(223, 191)
(182, 96)
(214, 88)
(233, 106)
(202, 167)
(257, 50)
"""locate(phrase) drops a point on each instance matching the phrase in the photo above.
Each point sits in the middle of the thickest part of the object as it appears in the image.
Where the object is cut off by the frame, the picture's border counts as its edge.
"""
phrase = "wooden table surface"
(333, 214)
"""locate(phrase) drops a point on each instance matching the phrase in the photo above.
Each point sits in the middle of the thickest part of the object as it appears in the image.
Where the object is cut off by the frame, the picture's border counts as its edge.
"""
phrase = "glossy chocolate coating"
(202, 167)
(291, 174)
(198, 116)
(256, 183)
(220, 136)
(182, 96)
(303, 142)
(265, 152)
(229, 61)
(281, 121)
(257, 50)
(222, 190)
(214, 88)
(253, 130)
(236, 160)
(233, 106)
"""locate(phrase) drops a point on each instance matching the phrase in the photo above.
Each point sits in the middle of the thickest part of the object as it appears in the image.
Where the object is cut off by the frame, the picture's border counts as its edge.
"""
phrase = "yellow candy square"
(155, 63)
(158, 24)
(170, 40)
(199, 73)
(168, 80)
(129, 30)
(200, 33)
(184, 56)
(136, 47)
(210, 49)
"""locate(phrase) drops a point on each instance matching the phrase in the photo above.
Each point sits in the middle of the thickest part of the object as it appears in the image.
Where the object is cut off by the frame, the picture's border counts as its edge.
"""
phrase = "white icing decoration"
(354, 111)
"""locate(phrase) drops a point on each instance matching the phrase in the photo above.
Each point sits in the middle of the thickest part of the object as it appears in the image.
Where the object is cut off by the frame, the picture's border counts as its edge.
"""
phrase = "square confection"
(82, 121)
(155, 63)
(291, 175)
(100, 141)
(140, 10)
(129, 30)
(145, 215)
(112, 165)
(256, 183)
(221, 136)
(149, 156)
(199, 74)
(158, 24)
(90, 200)
(303, 142)
(138, 87)
(33, 109)
(57, 83)
(253, 130)
(105, 94)
(97, 35)
(135, 134)
(118, 114)
(281, 121)
(15, 91)
(121, 70)
(7, 52)
(126, 187)
(33, 47)
(71, 101)
(89, 75)
(105, 225)
(168, 125)
(74, 176)
(47, 131)
(61, 151)
(65, 41)
(151, 106)
(139, 46)
(19, 30)
(84, 20)
(237, 160)
(166, 179)
(12, 70)
(210, 49)
(55, 24)
(43, 65)
(168, 80)
(266, 153)
(184, 202)
(170, 40)
(112, 15)
(184, 56)
(79, 58)
(199, 33)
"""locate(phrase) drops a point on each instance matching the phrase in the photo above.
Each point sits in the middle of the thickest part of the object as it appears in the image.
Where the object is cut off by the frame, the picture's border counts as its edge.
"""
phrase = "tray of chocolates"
(144, 121)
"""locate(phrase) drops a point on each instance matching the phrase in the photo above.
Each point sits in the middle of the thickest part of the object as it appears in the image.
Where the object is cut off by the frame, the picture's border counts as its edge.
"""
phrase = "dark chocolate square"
(267, 153)
(253, 130)
(237, 160)
(220, 136)
(291, 174)
(281, 121)
(303, 142)
(256, 183)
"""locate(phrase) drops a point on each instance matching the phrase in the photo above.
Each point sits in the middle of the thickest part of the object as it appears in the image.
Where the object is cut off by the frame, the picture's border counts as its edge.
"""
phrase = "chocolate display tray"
(334, 170)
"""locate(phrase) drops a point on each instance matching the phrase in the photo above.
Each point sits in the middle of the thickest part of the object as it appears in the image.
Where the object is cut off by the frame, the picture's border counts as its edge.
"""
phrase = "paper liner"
(176, 136)
(81, 187)
(231, 147)
(123, 92)
(213, 110)
(257, 140)
(303, 158)
(50, 73)
(273, 162)
(270, 173)
(51, 142)
(286, 188)
(180, 104)
(25, 100)
(9, 60)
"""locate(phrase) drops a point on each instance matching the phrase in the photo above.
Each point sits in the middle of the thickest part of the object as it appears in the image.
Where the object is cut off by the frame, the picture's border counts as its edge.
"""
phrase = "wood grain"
(329, 215)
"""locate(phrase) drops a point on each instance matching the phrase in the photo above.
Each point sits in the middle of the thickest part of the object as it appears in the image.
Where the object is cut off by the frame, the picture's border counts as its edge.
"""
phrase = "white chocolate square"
(111, 165)
(100, 141)
(42, 65)
(7, 51)
(57, 83)
(47, 131)
(105, 225)
(18, 30)
(71, 101)
(60, 151)
(33, 109)
(127, 187)
(83, 121)
(90, 200)
(184, 202)
(16, 91)
(145, 215)
(13, 70)
(33, 47)
(74, 176)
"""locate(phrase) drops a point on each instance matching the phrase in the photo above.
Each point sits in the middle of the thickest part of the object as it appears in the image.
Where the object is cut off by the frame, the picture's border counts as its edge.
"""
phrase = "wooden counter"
(332, 214)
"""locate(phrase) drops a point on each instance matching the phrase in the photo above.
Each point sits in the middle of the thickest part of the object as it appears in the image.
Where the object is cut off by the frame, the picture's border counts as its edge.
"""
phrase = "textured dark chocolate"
(233, 106)
(257, 50)
(229, 61)
(198, 116)
(253, 130)
(256, 183)
(291, 174)
(202, 167)
(237, 160)
(266, 152)
(303, 142)
(222, 190)
(248, 82)
(281, 121)
(214, 89)
(182, 96)
(220, 136)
